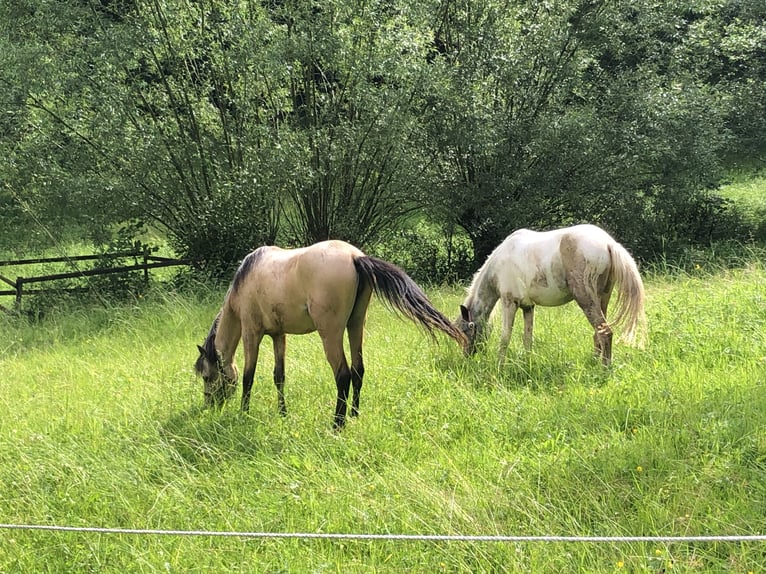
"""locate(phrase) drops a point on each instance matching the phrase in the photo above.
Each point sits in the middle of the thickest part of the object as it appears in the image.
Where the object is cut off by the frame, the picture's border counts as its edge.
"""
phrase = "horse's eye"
(471, 325)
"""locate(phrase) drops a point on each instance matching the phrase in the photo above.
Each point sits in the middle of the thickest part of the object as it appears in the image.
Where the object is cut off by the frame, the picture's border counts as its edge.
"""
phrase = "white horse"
(551, 268)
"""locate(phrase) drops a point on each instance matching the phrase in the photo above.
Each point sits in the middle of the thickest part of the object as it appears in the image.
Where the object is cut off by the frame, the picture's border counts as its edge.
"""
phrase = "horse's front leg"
(280, 344)
(509, 315)
(529, 324)
(251, 343)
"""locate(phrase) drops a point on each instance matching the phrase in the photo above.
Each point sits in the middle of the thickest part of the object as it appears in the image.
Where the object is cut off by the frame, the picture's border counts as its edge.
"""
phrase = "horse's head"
(220, 380)
(471, 329)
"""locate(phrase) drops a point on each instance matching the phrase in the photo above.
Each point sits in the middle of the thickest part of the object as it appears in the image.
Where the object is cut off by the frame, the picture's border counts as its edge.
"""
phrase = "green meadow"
(101, 425)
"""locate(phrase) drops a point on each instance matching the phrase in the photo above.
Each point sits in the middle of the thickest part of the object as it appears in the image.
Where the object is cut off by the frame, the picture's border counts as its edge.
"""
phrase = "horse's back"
(538, 266)
(589, 243)
(307, 267)
(328, 266)
(298, 290)
(583, 233)
(589, 234)
(588, 238)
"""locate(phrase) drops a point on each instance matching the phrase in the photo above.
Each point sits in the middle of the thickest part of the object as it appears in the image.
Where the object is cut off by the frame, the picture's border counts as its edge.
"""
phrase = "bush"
(428, 253)
(654, 230)
(227, 231)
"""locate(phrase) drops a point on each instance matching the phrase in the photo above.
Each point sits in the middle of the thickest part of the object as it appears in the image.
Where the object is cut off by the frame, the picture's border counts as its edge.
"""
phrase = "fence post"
(19, 289)
(146, 262)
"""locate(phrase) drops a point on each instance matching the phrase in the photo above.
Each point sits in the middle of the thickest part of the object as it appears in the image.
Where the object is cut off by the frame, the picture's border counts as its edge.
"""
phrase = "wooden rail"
(18, 285)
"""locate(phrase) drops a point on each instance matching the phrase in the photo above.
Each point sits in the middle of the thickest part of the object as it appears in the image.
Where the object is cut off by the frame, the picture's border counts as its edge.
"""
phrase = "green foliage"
(225, 232)
(728, 54)
(428, 253)
(229, 125)
(100, 425)
(355, 84)
(747, 191)
(594, 118)
(124, 285)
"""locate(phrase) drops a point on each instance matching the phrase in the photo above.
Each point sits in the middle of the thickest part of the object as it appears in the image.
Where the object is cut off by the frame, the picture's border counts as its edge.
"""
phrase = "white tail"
(630, 297)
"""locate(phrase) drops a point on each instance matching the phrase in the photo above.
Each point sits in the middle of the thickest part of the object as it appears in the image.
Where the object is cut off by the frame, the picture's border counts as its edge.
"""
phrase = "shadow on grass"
(203, 437)
(537, 371)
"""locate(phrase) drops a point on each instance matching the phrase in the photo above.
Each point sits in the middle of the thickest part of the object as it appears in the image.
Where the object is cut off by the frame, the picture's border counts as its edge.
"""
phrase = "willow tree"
(574, 111)
(354, 75)
(153, 109)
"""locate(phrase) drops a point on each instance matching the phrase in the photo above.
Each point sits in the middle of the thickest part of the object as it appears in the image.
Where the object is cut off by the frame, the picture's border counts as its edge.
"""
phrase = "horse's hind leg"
(355, 337)
(602, 343)
(333, 349)
(602, 335)
(280, 344)
(592, 306)
(602, 338)
(357, 364)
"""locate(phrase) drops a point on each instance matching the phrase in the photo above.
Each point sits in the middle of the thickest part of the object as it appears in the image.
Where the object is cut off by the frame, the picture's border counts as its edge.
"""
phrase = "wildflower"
(639, 468)
(620, 564)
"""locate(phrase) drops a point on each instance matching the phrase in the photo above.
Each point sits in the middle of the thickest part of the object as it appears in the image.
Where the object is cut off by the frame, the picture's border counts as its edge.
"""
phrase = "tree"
(153, 110)
(219, 121)
(577, 111)
(354, 79)
(727, 52)
(232, 124)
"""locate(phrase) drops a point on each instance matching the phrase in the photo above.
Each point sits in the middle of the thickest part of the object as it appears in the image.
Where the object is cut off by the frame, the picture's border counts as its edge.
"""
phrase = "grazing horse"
(326, 288)
(551, 268)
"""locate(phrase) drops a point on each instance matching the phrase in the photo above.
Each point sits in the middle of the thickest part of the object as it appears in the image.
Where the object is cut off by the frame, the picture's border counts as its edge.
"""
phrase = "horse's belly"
(549, 297)
(299, 328)
(290, 320)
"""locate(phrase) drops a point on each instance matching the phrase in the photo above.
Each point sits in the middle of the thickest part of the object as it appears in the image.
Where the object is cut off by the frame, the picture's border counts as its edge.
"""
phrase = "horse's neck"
(228, 334)
(484, 295)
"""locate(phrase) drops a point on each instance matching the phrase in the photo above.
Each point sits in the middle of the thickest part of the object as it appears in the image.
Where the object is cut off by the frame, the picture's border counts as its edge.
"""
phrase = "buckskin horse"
(326, 288)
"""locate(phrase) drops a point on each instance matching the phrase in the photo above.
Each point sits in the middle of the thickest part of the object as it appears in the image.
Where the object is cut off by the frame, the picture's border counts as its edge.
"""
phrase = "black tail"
(401, 293)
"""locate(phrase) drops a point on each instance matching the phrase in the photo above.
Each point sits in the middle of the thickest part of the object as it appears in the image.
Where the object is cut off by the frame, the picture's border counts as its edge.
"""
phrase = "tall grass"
(747, 191)
(101, 425)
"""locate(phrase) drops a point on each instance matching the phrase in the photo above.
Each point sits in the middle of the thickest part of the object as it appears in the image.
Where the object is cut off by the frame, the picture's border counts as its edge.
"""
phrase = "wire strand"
(390, 537)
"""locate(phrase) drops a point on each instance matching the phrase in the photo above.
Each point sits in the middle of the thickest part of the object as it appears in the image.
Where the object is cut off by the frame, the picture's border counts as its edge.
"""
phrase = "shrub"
(428, 252)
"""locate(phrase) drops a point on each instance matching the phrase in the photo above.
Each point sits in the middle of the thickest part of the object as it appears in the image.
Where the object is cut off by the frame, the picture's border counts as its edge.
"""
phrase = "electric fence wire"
(736, 538)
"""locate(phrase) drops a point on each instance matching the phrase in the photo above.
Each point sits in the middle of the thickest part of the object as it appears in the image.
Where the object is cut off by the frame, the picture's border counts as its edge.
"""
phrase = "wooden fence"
(20, 284)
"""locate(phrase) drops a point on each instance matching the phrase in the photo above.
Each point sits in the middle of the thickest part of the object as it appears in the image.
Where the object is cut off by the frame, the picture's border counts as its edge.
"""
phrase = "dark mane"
(245, 267)
(207, 349)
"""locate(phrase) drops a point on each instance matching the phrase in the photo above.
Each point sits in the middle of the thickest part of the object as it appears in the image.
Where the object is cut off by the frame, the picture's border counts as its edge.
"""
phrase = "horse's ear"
(465, 314)
(201, 349)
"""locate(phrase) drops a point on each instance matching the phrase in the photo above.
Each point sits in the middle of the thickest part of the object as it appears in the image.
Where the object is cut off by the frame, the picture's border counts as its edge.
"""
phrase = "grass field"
(748, 191)
(100, 425)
